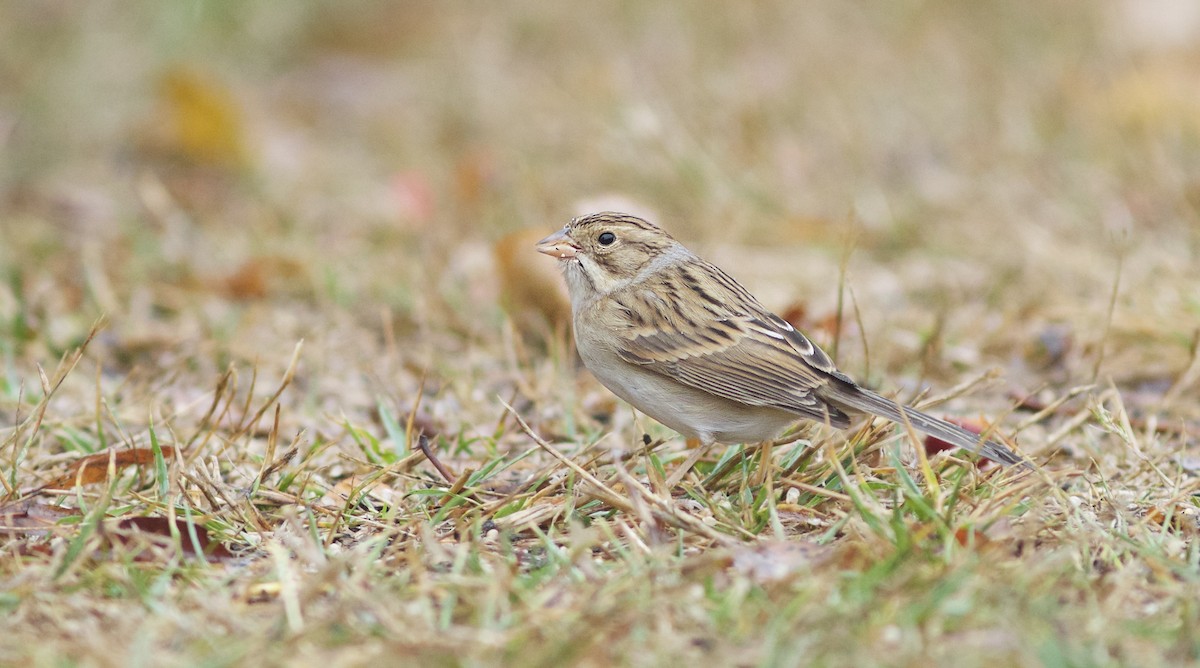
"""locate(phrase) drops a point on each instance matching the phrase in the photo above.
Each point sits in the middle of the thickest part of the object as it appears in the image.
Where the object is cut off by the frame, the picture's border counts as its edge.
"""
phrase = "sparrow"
(686, 344)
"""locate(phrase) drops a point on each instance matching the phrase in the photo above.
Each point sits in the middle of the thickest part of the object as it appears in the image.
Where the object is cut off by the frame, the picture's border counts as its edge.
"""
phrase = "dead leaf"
(94, 468)
(200, 120)
(30, 549)
(969, 536)
(474, 176)
(31, 518)
(934, 445)
(531, 288)
(1175, 522)
(796, 314)
(262, 276)
(156, 531)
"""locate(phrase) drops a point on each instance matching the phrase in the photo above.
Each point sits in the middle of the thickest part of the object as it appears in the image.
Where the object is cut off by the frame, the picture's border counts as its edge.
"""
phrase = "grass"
(281, 381)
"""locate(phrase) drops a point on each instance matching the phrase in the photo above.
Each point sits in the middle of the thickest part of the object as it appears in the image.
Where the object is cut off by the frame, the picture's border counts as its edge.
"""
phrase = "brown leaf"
(474, 176)
(796, 314)
(262, 276)
(967, 537)
(934, 445)
(135, 531)
(30, 549)
(94, 468)
(531, 289)
(1175, 522)
(200, 119)
(28, 517)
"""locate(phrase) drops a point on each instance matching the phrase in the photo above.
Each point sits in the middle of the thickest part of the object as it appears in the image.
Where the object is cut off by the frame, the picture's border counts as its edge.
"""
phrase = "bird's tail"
(853, 397)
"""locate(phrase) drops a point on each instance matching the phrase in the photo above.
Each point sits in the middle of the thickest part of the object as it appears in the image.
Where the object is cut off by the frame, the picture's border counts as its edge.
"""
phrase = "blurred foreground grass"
(994, 192)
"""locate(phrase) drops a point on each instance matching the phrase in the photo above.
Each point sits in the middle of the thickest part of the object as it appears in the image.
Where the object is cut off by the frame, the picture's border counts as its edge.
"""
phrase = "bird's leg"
(698, 449)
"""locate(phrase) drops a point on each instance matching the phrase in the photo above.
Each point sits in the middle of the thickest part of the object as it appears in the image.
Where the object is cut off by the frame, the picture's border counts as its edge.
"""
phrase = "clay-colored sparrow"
(687, 345)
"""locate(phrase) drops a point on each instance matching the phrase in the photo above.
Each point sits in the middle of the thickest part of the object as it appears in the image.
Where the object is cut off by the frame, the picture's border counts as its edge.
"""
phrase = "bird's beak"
(558, 245)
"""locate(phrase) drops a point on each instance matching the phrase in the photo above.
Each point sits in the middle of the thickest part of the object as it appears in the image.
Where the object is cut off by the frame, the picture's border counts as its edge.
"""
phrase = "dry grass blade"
(607, 495)
(288, 375)
(662, 509)
(34, 422)
(694, 456)
(1189, 376)
(1051, 408)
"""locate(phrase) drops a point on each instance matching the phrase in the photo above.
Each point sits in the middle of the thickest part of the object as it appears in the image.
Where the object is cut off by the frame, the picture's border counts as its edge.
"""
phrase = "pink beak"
(558, 245)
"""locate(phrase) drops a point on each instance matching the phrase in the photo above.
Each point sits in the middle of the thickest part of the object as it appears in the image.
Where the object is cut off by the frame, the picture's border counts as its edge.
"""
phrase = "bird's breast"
(692, 412)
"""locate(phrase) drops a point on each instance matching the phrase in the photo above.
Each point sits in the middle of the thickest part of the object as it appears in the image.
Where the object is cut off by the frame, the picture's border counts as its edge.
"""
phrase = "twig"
(423, 446)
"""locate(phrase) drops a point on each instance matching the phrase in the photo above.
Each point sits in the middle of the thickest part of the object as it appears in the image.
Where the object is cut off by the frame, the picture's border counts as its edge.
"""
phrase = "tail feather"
(853, 397)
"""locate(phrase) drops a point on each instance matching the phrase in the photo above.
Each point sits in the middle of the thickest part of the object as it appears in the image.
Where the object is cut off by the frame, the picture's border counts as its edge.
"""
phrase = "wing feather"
(751, 356)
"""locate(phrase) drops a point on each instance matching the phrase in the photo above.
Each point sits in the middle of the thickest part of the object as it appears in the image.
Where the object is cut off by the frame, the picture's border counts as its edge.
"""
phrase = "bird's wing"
(714, 336)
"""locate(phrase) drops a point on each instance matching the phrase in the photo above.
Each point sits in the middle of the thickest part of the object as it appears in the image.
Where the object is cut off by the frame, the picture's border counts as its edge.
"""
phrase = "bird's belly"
(692, 412)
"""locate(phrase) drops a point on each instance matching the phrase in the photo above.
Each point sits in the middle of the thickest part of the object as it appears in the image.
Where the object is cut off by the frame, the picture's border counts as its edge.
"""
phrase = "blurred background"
(935, 190)
(223, 178)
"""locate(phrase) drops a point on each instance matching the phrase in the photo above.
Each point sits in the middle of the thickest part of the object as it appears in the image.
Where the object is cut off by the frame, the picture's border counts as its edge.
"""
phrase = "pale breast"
(689, 411)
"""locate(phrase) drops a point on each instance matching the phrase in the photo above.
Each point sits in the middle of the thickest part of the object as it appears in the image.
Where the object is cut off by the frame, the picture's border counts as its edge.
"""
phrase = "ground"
(283, 381)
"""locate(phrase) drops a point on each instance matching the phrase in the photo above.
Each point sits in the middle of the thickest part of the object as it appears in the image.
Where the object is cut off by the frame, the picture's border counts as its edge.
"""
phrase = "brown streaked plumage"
(686, 344)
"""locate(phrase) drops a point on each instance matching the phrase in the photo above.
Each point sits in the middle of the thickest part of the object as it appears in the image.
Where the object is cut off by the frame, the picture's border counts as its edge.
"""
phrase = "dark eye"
(606, 238)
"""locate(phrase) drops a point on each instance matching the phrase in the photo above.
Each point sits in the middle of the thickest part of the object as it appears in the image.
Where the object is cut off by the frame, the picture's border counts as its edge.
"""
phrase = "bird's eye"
(606, 238)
